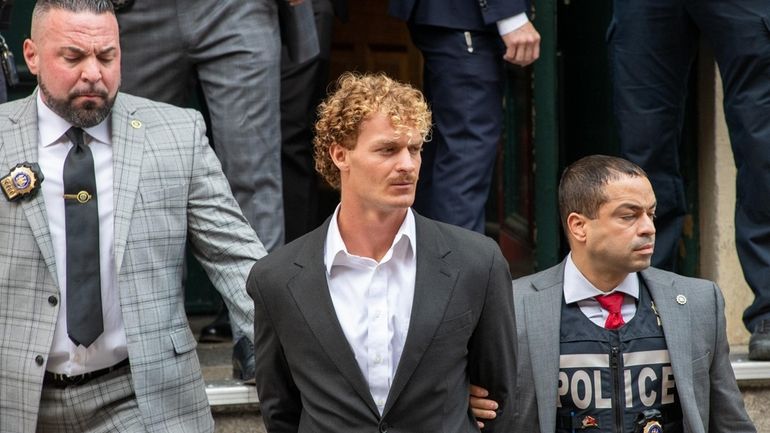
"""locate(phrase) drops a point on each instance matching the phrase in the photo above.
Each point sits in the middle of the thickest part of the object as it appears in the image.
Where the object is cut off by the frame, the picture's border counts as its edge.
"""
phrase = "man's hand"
(522, 46)
(481, 407)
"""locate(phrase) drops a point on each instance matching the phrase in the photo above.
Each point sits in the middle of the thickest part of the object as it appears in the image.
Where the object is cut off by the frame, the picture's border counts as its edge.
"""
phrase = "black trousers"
(303, 86)
(463, 83)
(652, 47)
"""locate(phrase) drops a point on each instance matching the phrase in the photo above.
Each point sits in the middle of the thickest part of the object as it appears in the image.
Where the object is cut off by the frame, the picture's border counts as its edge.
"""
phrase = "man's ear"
(30, 56)
(339, 155)
(577, 226)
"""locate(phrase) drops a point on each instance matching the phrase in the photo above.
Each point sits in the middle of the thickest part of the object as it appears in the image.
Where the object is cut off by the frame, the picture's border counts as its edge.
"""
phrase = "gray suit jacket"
(168, 189)
(461, 328)
(695, 335)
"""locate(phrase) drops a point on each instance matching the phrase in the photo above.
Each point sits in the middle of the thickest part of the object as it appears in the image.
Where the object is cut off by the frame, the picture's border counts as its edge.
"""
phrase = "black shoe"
(218, 331)
(244, 365)
(759, 344)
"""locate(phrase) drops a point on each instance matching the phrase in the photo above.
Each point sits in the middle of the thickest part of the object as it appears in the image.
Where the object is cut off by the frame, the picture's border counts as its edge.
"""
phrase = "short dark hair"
(581, 188)
(95, 6)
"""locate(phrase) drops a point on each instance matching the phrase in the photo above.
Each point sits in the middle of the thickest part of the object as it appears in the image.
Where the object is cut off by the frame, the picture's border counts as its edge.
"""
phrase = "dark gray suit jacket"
(461, 329)
(695, 335)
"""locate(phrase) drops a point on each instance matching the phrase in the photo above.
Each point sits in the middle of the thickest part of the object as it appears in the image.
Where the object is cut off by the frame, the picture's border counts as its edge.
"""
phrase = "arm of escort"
(221, 239)
(481, 407)
(492, 347)
(279, 397)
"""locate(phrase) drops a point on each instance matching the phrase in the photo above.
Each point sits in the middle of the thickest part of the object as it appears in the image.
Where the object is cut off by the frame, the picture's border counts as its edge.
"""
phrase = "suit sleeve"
(727, 414)
(492, 348)
(493, 11)
(279, 398)
(220, 237)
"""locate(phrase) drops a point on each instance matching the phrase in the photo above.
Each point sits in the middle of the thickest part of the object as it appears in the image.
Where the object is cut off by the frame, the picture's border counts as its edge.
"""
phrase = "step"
(235, 405)
(229, 393)
(747, 371)
(223, 392)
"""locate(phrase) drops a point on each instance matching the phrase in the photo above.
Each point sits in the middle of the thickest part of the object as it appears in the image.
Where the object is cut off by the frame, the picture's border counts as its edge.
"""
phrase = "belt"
(62, 380)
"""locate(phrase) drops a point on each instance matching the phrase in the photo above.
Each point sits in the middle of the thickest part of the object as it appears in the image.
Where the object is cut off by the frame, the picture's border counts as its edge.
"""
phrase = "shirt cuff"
(510, 24)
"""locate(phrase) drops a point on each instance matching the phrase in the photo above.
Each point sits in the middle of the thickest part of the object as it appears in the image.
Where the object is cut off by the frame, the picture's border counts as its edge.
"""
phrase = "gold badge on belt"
(23, 181)
(653, 426)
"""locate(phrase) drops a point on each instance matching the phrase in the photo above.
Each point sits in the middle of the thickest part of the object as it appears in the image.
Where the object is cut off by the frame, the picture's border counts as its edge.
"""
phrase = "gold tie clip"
(82, 197)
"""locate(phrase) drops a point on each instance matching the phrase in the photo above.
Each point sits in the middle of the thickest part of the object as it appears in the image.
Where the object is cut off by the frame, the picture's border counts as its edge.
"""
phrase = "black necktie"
(84, 293)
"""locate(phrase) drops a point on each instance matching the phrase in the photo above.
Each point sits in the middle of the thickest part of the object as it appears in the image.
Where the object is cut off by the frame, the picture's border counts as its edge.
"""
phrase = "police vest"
(616, 381)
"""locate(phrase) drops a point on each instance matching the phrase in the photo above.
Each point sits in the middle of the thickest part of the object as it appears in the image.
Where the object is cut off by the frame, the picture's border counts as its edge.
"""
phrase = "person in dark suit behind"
(606, 342)
(378, 319)
(652, 49)
(232, 48)
(104, 191)
(303, 86)
(463, 43)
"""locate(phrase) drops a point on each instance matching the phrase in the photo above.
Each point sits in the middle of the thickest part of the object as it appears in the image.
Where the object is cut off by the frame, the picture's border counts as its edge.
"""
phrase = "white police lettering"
(629, 392)
(578, 377)
(668, 385)
(563, 387)
(647, 379)
(601, 401)
(648, 399)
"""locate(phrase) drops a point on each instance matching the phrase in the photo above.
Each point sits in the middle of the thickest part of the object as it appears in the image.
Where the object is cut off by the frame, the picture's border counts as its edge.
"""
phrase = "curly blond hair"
(357, 98)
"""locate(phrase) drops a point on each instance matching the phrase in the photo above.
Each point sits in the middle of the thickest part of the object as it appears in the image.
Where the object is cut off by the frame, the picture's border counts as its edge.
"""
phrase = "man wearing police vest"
(608, 344)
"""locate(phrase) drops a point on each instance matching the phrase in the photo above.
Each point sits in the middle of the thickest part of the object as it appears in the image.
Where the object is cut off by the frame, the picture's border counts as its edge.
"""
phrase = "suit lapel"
(675, 318)
(20, 144)
(128, 133)
(541, 310)
(434, 283)
(311, 293)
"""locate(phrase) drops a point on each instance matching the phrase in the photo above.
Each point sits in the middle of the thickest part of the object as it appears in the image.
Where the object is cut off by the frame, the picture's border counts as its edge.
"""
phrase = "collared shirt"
(110, 347)
(578, 289)
(373, 302)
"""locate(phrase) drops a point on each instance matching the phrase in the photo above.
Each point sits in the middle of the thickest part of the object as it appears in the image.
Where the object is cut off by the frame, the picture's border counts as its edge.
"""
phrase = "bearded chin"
(88, 115)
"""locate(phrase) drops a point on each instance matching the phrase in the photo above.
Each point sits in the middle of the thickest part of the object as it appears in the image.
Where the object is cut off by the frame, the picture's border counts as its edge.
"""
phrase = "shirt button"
(39, 360)
(53, 301)
(378, 359)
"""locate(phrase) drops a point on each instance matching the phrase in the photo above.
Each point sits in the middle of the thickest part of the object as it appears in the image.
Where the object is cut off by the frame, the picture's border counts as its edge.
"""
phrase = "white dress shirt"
(578, 289)
(510, 24)
(373, 302)
(110, 347)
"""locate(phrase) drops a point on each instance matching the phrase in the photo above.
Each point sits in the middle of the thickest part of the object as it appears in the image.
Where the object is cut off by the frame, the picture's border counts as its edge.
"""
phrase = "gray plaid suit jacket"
(168, 189)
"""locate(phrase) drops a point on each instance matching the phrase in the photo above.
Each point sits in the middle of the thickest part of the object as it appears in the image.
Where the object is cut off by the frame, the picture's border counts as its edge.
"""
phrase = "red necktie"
(612, 304)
